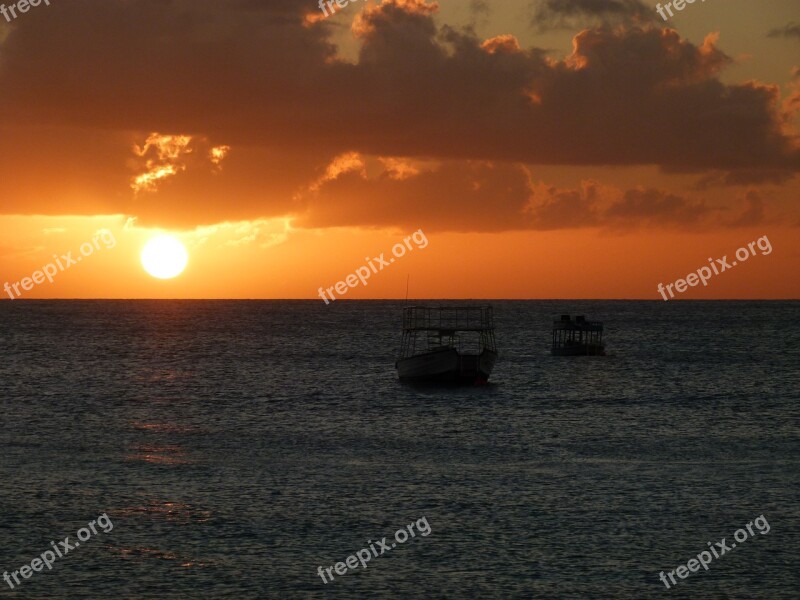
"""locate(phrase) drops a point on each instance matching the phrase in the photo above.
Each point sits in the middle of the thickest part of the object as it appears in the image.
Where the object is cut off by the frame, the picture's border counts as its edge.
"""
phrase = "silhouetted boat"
(577, 338)
(447, 344)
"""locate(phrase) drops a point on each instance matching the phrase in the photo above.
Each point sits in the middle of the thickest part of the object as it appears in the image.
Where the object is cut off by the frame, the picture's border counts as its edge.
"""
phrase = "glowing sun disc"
(164, 257)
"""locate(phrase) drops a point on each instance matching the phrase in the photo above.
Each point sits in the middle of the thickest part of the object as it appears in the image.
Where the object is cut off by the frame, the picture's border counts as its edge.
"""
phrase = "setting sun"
(164, 257)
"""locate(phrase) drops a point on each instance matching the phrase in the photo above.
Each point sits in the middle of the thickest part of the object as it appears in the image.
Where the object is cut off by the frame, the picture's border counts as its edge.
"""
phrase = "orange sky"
(544, 153)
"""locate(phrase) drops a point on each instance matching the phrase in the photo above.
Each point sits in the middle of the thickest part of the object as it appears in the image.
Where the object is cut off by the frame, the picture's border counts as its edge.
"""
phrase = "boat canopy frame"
(468, 329)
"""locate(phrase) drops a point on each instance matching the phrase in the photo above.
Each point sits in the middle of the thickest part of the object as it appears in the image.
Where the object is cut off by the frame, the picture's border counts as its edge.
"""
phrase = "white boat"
(447, 344)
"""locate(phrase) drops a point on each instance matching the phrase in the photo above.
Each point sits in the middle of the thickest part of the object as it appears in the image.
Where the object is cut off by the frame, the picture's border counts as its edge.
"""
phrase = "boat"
(448, 344)
(577, 338)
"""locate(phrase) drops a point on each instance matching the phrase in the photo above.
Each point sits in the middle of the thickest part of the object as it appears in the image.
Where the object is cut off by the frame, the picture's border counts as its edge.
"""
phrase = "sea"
(238, 449)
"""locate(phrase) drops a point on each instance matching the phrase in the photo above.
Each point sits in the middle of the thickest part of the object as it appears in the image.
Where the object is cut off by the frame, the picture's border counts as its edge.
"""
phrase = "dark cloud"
(570, 14)
(743, 177)
(651, 207)
(490, 198)
(496, 197)
(754, 212)
(81, 82)
(555, 208)
(255, 74)
(792, 30)
(480, 11)
(595, 206)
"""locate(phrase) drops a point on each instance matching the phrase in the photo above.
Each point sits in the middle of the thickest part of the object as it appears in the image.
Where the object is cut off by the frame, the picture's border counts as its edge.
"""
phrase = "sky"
(541, 148)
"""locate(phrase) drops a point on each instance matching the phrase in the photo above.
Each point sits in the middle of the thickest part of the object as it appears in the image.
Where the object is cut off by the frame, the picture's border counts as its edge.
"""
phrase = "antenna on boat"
(408, 277)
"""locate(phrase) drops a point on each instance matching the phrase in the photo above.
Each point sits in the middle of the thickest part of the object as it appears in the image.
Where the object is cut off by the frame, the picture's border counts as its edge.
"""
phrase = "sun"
(164, 257)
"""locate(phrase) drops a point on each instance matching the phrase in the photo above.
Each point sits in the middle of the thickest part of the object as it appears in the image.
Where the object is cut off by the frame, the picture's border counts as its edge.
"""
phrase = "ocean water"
(236, 447)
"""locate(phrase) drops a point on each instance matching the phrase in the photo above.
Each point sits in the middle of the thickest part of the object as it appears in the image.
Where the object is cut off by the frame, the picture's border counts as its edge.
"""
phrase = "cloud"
(484, 111)
(413, 195)
(502, 43)
(609, 208)
(497, 197)
(624, 96)
(479, 7)
(742, 177)
(399, 168)
(217, 154)
(792, 30)
(348, 162)
(262, 232)
(570, 14)
(161, 154)
(791, 104)
(167, 155)
(653, 208)
(480, 12)
(753, 213)
(566, 208)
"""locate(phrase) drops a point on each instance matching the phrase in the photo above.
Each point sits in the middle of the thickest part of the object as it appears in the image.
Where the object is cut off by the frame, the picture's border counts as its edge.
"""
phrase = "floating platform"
(577, 338)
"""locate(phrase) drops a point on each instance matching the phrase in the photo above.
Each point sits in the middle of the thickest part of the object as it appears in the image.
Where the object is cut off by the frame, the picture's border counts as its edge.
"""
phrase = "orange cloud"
(167, 155)
(504, 43)
(168, 150)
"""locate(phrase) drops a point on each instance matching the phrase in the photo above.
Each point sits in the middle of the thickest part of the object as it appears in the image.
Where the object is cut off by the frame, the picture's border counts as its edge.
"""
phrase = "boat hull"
(447, 366)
